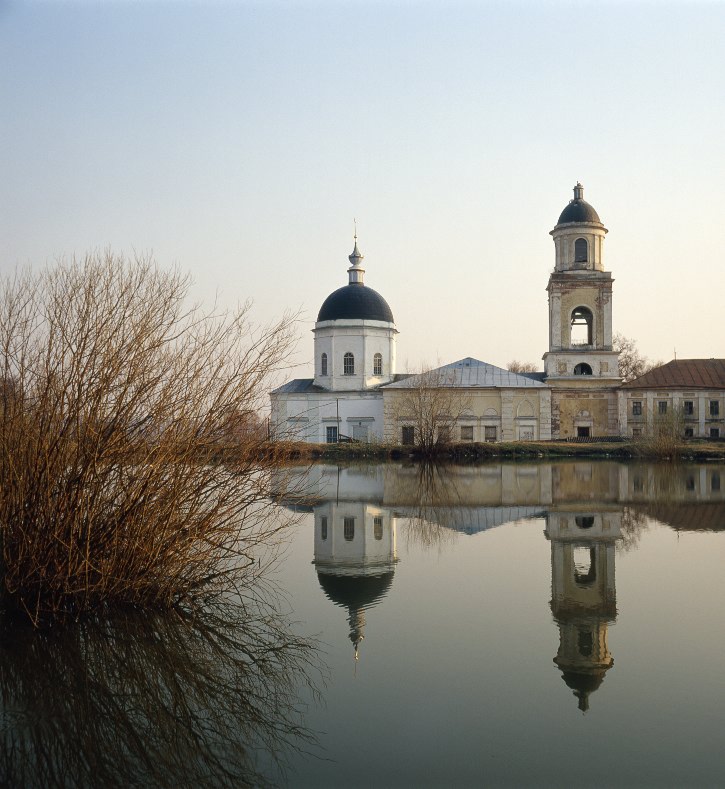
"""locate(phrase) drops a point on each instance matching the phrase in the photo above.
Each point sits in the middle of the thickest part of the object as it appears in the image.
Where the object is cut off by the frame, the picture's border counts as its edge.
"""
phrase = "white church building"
(354, 356)
(357, 393)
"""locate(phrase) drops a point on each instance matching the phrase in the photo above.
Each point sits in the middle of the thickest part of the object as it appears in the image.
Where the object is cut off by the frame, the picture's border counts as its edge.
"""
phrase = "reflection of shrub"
(168, 701)
(117, 400)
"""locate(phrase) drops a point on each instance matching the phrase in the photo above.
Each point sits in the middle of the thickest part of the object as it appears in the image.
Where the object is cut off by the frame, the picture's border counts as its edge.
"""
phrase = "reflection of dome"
(579, 210)
(355, 302)
(583, 684)
(362, 591)
(356, 593)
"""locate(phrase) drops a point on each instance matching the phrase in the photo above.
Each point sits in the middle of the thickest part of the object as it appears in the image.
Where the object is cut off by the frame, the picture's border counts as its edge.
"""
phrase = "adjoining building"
(357, 393)
(687, 394)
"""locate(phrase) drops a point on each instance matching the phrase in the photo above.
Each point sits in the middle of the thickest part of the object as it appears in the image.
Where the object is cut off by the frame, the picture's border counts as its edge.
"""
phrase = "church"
(357, 393)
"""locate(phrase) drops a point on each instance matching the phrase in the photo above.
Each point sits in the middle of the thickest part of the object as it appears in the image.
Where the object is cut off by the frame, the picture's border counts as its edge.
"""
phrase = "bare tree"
(118, 404)
(516, 366)
(632, 364)
(430, 405)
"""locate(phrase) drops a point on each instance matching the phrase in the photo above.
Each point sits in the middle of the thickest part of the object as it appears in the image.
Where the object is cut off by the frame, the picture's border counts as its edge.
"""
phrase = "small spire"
(356, 270)
(578, 191)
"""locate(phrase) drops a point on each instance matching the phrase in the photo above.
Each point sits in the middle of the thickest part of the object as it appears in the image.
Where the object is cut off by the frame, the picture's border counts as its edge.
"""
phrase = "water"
(514, 625)
(519, 624)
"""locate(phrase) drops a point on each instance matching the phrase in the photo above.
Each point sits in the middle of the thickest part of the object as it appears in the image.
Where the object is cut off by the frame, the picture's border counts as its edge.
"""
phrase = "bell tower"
(580, 356)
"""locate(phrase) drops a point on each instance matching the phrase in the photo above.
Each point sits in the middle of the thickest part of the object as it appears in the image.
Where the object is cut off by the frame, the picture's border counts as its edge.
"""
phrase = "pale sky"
(238, 140)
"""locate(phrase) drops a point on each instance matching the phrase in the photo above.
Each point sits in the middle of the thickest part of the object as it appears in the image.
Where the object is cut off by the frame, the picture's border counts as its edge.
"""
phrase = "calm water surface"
(512, 625)
(555, 625)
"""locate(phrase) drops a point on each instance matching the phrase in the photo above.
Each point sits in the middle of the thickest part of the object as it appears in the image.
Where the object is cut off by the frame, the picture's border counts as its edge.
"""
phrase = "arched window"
(323, 364)
(348, 364)
(581, 249)
(585, 566)
(584, 521)
(378, 364)
(349, 529)
(582, 369)
(582, 322)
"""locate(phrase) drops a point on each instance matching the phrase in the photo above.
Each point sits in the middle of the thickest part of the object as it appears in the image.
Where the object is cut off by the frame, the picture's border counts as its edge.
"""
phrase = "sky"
(239, 141)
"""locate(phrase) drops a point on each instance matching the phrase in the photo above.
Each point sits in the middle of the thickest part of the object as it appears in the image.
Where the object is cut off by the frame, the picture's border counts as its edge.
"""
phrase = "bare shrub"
(117, 403)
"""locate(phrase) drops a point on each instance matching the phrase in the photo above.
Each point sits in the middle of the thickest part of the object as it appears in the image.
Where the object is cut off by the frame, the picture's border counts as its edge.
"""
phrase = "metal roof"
(469, 373)
(297, 386)
(683, 374)
(355, 302)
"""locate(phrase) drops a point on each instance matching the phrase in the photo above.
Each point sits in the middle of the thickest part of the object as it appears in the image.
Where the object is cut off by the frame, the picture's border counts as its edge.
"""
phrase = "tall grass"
(116, 401)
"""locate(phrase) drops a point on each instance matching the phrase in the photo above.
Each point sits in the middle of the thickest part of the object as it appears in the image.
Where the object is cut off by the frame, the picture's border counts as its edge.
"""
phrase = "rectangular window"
(636, 408)
(378, 528)
(408, 435)
(323, 527)
(467, 433)
(638, 485)
(715, 481)
(582, 432)
(689, 407)
(349, 528)
(331, 435)
(636, 432)
(689, 432)
(690, 483)
(714, 408)
(714, 432)
(489, 433)
(662, 407)
(378, 364)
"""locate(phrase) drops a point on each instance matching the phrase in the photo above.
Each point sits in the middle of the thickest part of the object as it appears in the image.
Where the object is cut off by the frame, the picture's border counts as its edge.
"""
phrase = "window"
(378, 364)
(580, 250)
(408, 434)
(378, 528)
(714, 408)
(689, 483)
(636, 408)
(714, 432)
(638, 485)
(331, 435)
(444, 434)
(715, 481)
(661, 407)
(636, 432)
(584, 521)
(582, 369)
(582, 322)
(323, 364)
(582, 432)
(689, 432)
(349, 529)
(689, 407)
(348, 364)
(489, 433)
(323, 527)
(466, 432)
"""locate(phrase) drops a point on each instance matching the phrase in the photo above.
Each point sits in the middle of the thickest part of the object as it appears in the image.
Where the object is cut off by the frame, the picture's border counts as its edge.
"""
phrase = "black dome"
(361, 591)
(355, 301)
(579, 211)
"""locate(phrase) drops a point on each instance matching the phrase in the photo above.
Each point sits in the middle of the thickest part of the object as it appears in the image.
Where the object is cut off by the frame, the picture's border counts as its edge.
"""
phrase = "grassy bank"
(472, 452)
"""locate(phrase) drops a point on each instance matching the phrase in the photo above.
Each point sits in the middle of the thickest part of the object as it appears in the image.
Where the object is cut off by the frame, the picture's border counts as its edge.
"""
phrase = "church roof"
(470, 373)
(355, 301)
(683, 374)
(298, 386)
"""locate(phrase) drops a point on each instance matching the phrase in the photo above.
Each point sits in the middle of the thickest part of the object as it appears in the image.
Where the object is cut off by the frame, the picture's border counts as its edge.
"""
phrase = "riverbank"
(472, 452)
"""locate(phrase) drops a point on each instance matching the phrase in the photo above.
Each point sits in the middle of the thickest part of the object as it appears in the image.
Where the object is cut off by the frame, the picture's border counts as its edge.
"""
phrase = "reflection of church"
(583, 597)
(354, 557)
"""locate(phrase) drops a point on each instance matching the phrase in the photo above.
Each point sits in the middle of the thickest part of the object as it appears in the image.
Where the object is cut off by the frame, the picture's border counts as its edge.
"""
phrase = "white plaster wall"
(363, 549)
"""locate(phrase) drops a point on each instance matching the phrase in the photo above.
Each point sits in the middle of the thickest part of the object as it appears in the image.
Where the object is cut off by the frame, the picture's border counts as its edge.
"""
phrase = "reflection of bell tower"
(583, 596)
(355, 555)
